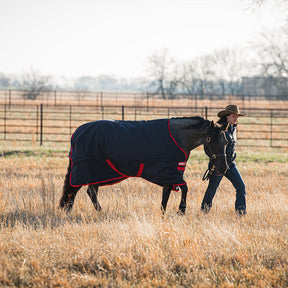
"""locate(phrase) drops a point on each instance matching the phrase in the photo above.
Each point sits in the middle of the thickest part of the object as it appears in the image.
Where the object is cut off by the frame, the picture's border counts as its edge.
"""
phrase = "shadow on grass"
(29, 153)
(42, 221)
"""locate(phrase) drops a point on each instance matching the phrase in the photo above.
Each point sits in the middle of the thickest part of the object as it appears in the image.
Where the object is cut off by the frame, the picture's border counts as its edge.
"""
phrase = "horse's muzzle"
(219, 173)
(222, 168)
(222, 171)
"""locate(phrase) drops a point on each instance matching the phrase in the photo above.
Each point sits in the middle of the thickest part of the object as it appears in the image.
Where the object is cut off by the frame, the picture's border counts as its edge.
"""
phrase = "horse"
(105, 152)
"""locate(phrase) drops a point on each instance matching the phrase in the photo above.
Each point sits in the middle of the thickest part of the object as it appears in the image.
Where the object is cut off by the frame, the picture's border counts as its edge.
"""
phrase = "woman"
(230, 115)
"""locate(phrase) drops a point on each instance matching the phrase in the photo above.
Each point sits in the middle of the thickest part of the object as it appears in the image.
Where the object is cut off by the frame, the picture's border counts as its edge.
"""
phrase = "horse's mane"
(195, 122)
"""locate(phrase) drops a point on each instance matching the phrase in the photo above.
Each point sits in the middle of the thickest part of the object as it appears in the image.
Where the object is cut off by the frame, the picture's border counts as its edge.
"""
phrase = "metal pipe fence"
(136, 98)
(55, 124)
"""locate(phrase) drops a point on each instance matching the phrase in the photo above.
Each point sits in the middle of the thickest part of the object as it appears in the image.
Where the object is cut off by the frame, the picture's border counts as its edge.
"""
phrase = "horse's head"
(215, 149)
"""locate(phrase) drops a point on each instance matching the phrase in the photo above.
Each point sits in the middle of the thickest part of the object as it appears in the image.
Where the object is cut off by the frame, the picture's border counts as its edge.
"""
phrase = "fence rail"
(48, 123)
(118, 98)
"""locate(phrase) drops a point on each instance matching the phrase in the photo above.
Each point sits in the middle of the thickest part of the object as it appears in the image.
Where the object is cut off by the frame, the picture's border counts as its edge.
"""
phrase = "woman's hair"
(223, 119)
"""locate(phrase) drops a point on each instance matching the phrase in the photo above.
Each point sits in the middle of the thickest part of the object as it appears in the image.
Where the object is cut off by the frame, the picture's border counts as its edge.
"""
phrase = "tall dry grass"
(130, 244)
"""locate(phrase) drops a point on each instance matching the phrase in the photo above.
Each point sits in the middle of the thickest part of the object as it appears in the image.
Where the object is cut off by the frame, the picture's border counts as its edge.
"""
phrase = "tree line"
(219, 73)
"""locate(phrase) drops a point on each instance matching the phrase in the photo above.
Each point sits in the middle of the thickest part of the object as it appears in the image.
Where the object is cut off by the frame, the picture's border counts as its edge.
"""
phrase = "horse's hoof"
(180, 213)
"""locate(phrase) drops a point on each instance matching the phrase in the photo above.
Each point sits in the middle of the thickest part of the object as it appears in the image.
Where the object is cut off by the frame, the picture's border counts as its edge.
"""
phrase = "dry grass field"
(130, 244)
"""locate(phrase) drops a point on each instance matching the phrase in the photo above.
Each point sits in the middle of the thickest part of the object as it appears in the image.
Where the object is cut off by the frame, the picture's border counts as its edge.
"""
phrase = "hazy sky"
(116, 37)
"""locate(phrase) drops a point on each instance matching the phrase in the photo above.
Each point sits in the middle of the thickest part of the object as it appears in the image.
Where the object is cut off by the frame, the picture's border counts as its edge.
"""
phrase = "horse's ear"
(212, 123)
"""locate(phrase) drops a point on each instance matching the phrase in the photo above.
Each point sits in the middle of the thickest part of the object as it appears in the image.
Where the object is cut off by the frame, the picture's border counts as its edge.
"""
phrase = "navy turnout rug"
(106, 152)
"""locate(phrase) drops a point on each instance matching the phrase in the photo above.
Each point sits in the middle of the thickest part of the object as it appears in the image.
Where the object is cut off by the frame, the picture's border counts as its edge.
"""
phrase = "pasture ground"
(130, 244)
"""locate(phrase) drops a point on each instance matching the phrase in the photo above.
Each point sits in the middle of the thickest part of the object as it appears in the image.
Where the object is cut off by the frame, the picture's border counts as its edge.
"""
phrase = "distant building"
(265, 86)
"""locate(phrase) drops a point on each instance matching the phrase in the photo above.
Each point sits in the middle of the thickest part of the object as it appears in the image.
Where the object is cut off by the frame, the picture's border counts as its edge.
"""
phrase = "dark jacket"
(232, 140)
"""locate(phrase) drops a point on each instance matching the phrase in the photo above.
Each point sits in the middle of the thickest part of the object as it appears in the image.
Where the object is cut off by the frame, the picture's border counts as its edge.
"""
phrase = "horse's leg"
(69, 193)
(165, 196)
(92, 191)
(182, 206)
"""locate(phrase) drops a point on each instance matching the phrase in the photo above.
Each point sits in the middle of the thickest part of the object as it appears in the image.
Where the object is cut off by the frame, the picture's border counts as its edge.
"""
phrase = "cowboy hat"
(230, 109)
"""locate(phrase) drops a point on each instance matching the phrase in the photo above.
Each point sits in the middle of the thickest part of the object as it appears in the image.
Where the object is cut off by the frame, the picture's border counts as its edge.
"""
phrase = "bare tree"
(280, 5)
(260, 3)
(197, 75)
(34, 84)
(273, 58)
(273, 51)
(163, 74)
(228, 67)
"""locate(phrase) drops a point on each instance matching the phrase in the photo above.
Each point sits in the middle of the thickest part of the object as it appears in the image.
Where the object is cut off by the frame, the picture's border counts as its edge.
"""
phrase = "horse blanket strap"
(106, 152)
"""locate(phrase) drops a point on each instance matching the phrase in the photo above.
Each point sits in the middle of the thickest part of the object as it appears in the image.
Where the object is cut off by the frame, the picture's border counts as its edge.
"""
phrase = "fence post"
(123, 112)
(9, 98)
(271, 128)
(135, 113)
(55, 97)
(206, 112)
(70, 120)
(5, 116)
(41, 124)
(37, 117)
(243, 102)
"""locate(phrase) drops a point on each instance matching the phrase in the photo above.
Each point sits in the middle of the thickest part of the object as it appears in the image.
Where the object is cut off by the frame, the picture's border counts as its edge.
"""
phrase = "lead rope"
(208, 173)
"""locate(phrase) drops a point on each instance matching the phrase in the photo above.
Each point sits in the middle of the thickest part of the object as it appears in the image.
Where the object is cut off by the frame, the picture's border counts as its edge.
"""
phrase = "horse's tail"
(66, 187)
(69, 192)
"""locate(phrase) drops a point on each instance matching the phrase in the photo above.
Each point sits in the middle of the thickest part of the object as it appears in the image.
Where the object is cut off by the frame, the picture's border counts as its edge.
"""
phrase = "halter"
(208, 173)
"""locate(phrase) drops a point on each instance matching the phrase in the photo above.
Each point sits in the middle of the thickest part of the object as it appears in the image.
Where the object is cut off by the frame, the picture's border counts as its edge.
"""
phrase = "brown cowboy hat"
(230, 109)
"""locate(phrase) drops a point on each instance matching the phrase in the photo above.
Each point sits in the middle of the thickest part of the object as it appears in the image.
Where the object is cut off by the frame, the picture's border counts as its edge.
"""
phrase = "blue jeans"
(234, 176)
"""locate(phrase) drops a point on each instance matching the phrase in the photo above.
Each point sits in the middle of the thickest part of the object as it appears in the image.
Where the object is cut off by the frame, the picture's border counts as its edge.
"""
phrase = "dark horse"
(106, 152)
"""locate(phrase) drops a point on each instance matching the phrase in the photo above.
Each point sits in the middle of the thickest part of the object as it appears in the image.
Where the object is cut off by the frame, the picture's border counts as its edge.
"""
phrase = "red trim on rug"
(181, 168)
(114, 168)
(175, 185)
(140, 171)
(117, 180)
(186, 156)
